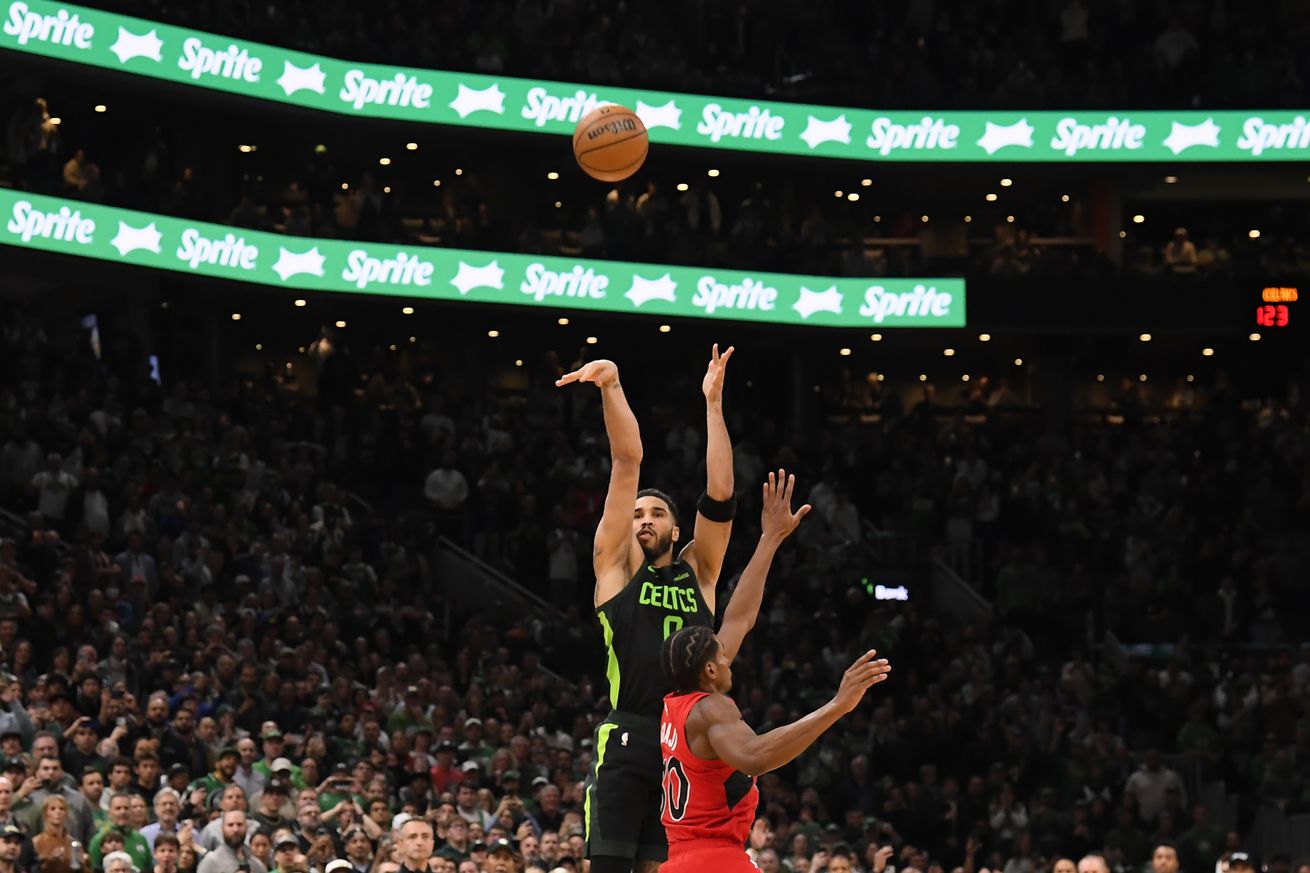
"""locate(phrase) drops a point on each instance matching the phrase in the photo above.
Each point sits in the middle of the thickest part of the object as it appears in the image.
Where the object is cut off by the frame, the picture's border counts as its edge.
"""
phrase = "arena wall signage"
(206, 60)
(160, 242)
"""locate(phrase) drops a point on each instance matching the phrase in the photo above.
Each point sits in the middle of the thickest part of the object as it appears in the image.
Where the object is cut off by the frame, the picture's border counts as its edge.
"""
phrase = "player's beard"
(658, 547)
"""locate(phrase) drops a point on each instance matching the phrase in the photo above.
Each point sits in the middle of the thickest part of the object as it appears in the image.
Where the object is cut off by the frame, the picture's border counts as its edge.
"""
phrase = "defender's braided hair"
(684, 656)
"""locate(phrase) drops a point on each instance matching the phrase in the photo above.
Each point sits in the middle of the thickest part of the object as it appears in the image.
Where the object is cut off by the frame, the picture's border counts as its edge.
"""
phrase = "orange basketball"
(610, 143)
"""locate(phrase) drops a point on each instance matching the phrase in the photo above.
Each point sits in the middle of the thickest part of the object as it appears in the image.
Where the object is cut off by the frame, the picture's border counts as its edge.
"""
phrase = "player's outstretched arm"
(738, 746)
(705, 552)
(777, 522)
(614, 543)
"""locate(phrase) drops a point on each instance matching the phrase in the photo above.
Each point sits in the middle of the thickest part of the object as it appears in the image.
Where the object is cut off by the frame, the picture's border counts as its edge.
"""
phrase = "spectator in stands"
(1180, 254)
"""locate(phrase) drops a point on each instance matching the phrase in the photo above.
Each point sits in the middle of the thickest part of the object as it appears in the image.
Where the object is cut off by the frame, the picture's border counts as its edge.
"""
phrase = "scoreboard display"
(1275, 307)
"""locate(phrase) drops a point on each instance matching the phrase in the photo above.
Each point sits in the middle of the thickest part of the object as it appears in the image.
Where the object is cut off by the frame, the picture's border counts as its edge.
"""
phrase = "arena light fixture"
(1146, 337)
(964, 378)
(459, 171)
(563, 321)
(712, 173)
(1191, 378)
(984, 337)
(300, 302)
(875, 337)
(591, 340)
(844, 352)
(852, 196)
(683, 186)
(923, 218)
(968, 219)
(923, 377)
(665, 328)
(1100, 377)
(1018, 362)
(411, 146)
(341, 323)
(1006, 183)
(866, 182)
(236, 316)
(100, 107)
(386, 189)
(950, 353)
(392, 347)
(56, 120)
(1141, 378)
(1139, 218)
(1255, 337)
(1009, 219)
(1171, 180)
(1064, 198)
(1253, 233)
(406, 310)
(990, 198)
(518, 362)
(436, 183)
(559, 204)
(552, 175)
(493, 333)
(259, 347)
(1207, 352)
(839, 193)
(386, 162)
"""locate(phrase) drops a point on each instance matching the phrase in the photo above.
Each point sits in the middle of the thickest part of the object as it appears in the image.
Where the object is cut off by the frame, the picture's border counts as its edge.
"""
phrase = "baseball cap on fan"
(1241, 860)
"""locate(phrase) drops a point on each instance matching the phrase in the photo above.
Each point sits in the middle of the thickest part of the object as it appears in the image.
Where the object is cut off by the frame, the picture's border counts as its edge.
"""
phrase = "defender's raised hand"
(712, 385)
(860, 677)
(777, 519)
(600, 373)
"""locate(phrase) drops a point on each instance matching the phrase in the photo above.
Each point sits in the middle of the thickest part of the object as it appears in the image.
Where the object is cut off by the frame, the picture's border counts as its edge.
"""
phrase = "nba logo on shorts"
(624, 739)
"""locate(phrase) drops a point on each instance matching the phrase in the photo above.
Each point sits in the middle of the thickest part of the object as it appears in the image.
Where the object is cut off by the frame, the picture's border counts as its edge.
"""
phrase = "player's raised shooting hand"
(776, 518)
(860, 677)
(600, 373)
(712, 386)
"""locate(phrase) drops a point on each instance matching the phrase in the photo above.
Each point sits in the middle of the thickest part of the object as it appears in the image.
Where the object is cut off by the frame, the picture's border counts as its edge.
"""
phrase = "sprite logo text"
(401, 90)
(1116, 133)
(578, 282)
(750, 294)
(403, 269)
(231, 63)
(921, 302)
(66, 225)
(230, 251)
(59, 29)
(1257, 135)
(887, 136)
(755, 123)
(542, 106)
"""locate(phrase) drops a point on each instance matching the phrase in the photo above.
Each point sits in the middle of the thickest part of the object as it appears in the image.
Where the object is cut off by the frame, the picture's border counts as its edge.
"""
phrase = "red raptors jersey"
(701, 801)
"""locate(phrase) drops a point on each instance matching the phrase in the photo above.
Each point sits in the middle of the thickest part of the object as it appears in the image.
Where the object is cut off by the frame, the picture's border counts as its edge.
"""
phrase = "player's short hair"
(668, 501)
(685, 654)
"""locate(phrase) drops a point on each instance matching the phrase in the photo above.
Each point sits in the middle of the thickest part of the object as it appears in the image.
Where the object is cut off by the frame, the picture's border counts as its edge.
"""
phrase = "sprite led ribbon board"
(204, 60)
(216, 251)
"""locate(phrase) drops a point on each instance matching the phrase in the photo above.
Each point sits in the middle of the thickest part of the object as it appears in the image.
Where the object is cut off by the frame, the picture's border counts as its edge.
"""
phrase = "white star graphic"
(130, 239)
(293, 263)
(668, 115)
(811, 302)
(295, 78)
(470, 277)
(645, 290)
(818, 132)
(1184, 136)
(468, 100)
(999, 136)
(130, 45)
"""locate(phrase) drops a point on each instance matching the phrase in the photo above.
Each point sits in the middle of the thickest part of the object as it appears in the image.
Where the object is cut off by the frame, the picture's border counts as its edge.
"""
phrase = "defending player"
(712, 758)
(648, 586)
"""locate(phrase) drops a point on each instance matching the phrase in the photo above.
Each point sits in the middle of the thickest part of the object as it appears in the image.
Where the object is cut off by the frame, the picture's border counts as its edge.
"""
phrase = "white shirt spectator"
(53, 488)
(446, 488)
(1150, 783)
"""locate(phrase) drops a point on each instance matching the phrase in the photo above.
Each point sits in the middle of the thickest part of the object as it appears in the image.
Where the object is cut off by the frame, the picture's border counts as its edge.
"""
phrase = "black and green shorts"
(622, 806)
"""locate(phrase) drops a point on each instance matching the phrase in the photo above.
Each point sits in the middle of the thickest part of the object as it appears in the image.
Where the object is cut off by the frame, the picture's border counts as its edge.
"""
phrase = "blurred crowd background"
(258, 622)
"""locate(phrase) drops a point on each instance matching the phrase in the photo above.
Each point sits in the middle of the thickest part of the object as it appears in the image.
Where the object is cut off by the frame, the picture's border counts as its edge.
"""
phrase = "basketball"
(610, 143)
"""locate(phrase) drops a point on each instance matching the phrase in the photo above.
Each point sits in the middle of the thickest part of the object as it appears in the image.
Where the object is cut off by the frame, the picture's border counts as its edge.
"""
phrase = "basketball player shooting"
(648, 586)
(712, 757)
